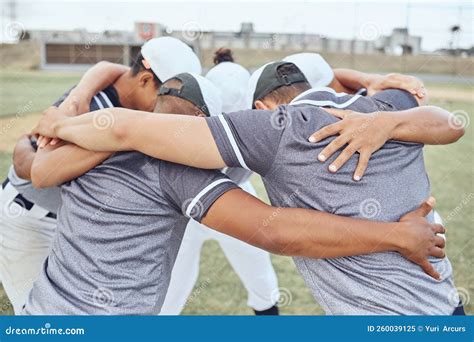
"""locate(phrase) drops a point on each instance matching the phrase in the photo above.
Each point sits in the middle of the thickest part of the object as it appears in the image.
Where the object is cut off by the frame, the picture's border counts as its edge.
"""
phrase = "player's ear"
(145, 78)
(261, 105)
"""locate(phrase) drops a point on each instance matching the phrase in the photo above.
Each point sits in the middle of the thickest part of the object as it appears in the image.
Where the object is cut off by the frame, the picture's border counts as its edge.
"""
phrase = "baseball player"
(121, 223)
(252, 265)
(276, 146)
(28, 214)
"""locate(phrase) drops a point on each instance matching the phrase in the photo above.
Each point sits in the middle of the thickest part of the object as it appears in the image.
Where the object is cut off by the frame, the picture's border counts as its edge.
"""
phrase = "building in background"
(82, 48)
(400, 42)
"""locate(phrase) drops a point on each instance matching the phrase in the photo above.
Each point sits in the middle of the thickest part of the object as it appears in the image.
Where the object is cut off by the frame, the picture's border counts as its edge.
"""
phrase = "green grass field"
(218, 290)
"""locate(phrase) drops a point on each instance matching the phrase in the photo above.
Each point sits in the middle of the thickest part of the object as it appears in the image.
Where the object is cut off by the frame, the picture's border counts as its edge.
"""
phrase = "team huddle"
(111, 196)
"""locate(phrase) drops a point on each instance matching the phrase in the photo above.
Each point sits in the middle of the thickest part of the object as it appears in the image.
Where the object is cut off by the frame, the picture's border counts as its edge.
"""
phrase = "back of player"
(28, 222)
(119, 231)
(394, 184)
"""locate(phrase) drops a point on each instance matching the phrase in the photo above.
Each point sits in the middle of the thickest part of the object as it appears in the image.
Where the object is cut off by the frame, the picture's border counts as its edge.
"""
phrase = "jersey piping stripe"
(106, 99)
(204, 191)
(232, 141)
(318, 89)
(328, 103)
(98, 102)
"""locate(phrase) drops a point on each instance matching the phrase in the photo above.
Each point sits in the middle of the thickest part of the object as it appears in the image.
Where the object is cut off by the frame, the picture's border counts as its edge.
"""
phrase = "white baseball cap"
(168, 56)
(197, 90)
(232, 80)
(314, 67)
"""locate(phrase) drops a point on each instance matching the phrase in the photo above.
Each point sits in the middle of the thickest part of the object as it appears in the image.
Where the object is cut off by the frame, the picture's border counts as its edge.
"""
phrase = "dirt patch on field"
(11, 128)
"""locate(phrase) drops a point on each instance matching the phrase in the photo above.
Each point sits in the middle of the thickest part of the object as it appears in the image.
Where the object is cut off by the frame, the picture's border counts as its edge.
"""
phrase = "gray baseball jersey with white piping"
(119, 231)
(50, 198)
(275, 145)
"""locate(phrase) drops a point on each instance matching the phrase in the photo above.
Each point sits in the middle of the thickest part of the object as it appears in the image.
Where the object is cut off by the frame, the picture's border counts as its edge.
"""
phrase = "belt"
(18, 198)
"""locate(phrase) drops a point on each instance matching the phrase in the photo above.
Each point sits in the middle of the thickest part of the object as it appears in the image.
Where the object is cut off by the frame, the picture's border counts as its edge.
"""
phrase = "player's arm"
(23, 156)
(355, 80)
(181, 139)
(212, 199)
(308, 233)
(339, 87)
(55, 165)
(365, 133)
(98, 77)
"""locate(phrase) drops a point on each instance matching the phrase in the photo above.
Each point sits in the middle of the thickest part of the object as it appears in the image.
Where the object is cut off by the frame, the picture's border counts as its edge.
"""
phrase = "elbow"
(20, 167)
(39, 179)
(280, 242)
(457, 126)
(458, 133)
(103, 64)
(114, 68)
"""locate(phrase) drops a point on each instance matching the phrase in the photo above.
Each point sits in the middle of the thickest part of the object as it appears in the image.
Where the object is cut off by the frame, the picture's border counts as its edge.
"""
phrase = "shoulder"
(325, 97)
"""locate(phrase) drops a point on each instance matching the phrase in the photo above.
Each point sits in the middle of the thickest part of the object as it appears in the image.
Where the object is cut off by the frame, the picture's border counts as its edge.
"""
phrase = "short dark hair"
(137, 67)
(173, 104)
(285, 94)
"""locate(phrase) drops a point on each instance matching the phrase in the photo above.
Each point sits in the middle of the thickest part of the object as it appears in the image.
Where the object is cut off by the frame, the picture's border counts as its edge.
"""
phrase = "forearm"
(300, 232)
(180, 139)
(98, 77)
(427, 125)
(314, 234)
(55, 165)
(23, 156)
(352, 79)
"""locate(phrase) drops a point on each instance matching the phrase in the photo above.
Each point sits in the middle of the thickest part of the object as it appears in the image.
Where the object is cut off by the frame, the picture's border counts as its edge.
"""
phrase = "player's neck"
(125, 90)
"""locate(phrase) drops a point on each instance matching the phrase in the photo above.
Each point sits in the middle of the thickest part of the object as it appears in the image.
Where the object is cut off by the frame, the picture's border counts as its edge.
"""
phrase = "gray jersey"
(50, 198)
(276, 146)
(119, 231)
